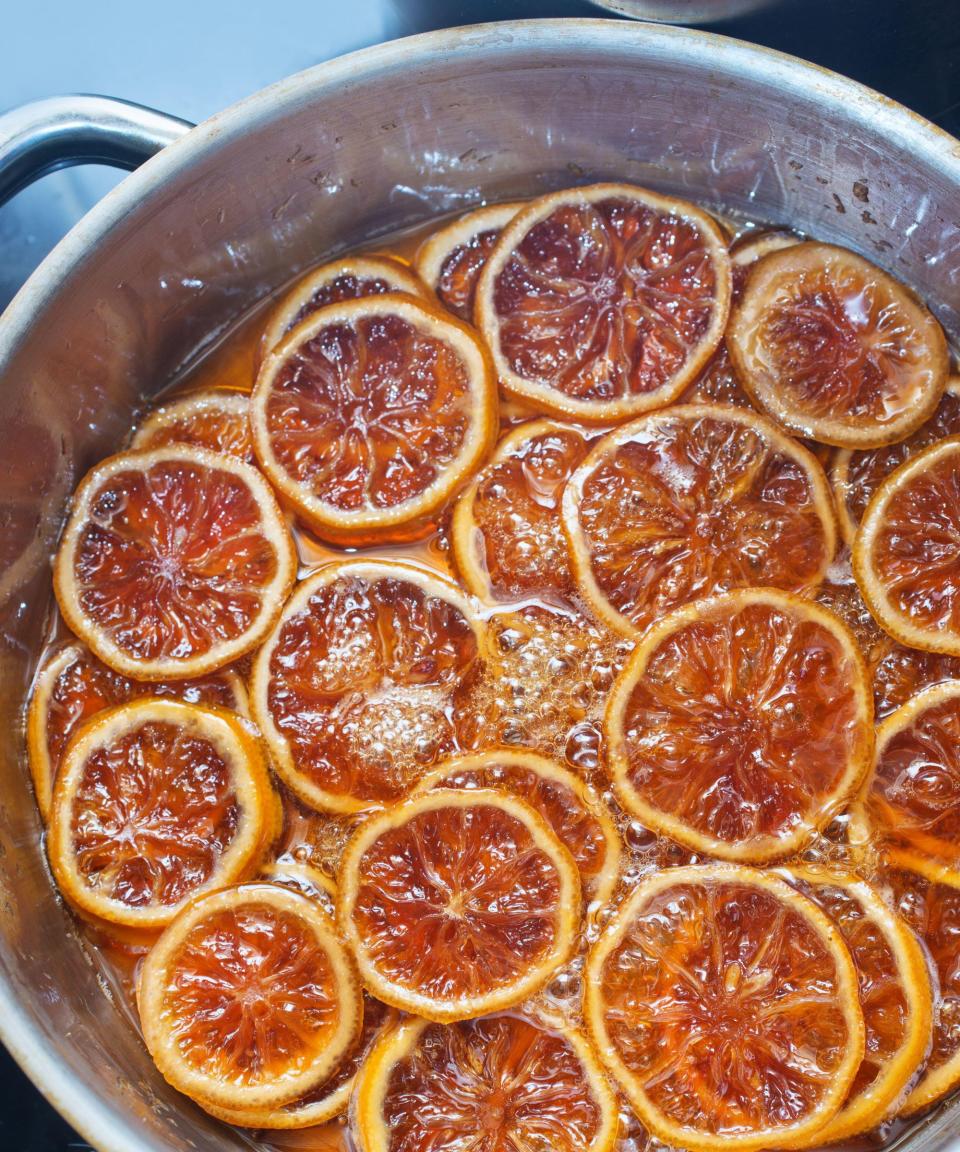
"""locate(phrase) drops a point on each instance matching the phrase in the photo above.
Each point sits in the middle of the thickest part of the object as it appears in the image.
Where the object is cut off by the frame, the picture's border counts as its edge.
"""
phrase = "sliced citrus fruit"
(857, 475)
(905, 555)
(157, 800)
(456, 904)
(507, 536)
(930, 904)
(218, 420)
(371, 414)
(746, 250)
(354, 690)
(604, 302)
(348, 278)
(835, 349)
(174, 562)
(498, 1084)
(579, 818)
(691, 501)
(741, 725)
(73, 685)
(249, 999)
(895, 997)
(912, 796)
(451, 259)
(725, 1004)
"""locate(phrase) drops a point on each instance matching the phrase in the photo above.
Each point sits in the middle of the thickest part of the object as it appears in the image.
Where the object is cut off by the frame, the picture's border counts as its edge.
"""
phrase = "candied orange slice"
(451, 259)
(498, 1084)
(371, 414)
(248, 999)
(741, 725)
(507, 536)
(857, 475)
(73, 685)
(725, 1004)
(218, 420)
(157, 800)
(905, 557)
(604, 302)
(578, 817)
(354, 690)
(895, 997)
(691, 501)
(174, 562)
(835, 349)
(456, 904)
(930, 904)
(912, 796)
(348, 278)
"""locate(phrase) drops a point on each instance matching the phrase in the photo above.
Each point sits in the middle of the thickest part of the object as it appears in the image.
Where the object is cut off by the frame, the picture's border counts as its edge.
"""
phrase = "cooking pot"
(225, 212)
(683, 11)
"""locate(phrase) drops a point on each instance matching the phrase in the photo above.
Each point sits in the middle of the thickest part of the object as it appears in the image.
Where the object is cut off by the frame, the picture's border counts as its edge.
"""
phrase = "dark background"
(202, 56)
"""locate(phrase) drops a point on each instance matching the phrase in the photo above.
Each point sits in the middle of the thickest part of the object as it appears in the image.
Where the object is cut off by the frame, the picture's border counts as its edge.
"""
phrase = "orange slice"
(371, 414)
(835, 349)
(248, 999)
(746, 250)
(457, 904)
(905, 559)
(507, 536)
(691, 501)
(577, 816)
(912, 796)
(930, 904)
(451, 259)
(725, 1004)
(857, 475)
(348, 278)
(73, 685)
(604, 302)
(217, 420)
(741, 725)
(895, 997)
(157, 800)
(174, 562)
(498, 1084)
(354, 691)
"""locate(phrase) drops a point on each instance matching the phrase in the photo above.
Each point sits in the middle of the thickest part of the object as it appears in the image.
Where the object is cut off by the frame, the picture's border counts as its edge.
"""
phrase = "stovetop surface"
(192, 59)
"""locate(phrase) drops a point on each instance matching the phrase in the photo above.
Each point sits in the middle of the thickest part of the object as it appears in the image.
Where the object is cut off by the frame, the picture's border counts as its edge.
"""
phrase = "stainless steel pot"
(315, 164)
(683, 11)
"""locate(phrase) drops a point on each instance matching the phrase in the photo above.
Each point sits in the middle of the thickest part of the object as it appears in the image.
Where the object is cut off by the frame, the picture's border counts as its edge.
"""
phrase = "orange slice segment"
(347, 278)
(174, 562)
(604, 302)
(371, 414)
(857, 475)
(451, 259)
(219, 421)
(457, 904)
(930, 904)
(895, 997)
(912, 796)
(691, 501)
(248, 999)
(156, 800)
(578, 817)
(507, 535)
(741, 725)
(73, 685)
(354, 691)
(498, 1084)
(835, 349)
(904, 557)
(725, 1004)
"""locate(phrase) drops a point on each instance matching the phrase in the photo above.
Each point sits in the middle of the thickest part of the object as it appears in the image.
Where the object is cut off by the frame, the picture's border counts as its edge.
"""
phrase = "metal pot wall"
(318, 163)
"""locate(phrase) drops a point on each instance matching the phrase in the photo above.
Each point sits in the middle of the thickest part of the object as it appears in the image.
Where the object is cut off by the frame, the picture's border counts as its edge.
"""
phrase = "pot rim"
(94, 1117)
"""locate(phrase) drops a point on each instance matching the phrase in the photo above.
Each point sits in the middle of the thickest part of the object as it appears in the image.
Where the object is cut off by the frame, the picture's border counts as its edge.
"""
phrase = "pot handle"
(61, 131)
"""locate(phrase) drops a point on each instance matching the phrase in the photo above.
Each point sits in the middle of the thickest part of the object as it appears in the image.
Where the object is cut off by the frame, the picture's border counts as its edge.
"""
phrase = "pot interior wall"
(321, 162)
